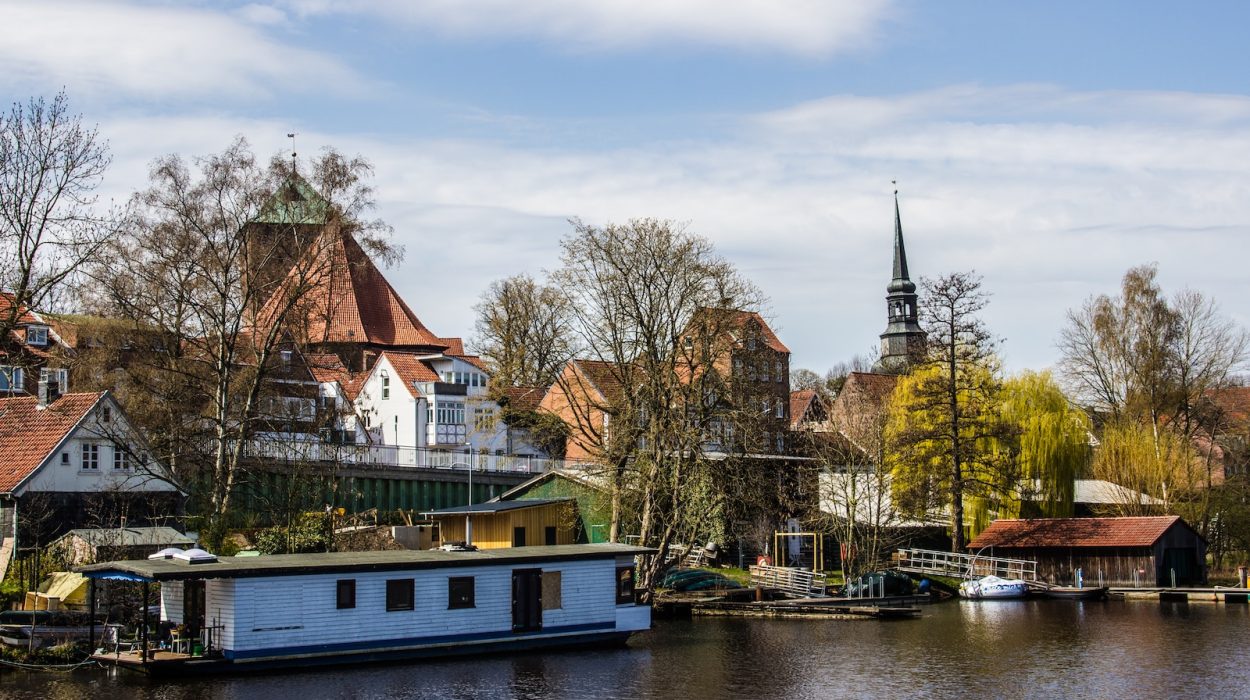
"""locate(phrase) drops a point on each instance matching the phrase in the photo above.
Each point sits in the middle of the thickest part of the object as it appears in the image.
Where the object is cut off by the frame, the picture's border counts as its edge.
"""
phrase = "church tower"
(903, 342)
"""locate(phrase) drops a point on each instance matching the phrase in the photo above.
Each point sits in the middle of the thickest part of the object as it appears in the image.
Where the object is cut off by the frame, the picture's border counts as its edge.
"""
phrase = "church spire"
(903, 342)
(901, 282)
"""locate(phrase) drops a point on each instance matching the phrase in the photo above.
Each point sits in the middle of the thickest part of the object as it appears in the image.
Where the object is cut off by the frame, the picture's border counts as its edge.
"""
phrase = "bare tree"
(224, 298)
(522, 331)
(661, 315)
(50, 166)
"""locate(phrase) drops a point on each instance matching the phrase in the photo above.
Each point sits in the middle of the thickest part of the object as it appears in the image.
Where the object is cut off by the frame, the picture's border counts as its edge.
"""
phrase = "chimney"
(49, 389)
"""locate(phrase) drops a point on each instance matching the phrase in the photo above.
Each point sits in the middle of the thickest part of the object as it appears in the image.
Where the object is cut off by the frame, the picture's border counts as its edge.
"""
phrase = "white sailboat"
(993, 587)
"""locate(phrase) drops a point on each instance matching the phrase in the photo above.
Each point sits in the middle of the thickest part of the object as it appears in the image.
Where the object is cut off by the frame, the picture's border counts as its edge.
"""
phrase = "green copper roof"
(295, 202)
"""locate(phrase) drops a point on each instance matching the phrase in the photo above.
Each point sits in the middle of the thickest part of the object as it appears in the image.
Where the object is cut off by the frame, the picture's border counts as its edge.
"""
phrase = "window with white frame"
(37, 335)
(90, 456)
(386, 385)
(11, 378)
(483, 419)
(121, 457)
(449, 412)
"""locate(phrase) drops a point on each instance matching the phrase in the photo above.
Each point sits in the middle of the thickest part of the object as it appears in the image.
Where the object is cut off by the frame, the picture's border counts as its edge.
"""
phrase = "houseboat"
(242, 613)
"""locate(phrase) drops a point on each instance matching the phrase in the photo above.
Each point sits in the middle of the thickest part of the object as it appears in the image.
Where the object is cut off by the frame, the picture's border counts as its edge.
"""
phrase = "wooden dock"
(1230, 596)
(806, 609)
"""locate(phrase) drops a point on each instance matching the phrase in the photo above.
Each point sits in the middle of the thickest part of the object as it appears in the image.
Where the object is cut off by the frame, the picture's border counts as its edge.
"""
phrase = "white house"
(66, 461)
(434, 401)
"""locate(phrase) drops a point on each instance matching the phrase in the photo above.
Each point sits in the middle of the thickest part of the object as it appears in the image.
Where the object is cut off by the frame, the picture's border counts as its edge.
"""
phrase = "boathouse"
(1127, 551)
(348, 607)
(495, 524)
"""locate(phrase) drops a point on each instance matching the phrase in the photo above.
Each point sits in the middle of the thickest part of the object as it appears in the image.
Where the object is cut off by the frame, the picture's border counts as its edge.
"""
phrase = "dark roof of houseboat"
(336, 562)
(495, 507)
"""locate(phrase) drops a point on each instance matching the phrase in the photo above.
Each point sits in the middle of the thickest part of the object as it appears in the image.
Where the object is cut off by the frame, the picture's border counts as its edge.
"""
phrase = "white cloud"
(807, 27)
(154, 51)
(1050, 208)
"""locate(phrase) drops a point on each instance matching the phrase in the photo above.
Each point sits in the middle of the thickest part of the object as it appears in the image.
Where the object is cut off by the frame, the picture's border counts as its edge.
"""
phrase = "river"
(1010, 649)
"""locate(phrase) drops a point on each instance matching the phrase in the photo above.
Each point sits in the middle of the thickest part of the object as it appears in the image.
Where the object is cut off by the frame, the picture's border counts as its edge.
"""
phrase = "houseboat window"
(346, 593)
(549, 535)
(553, 599)
(399, 595)
(624, 584)
(518, 537)
(460, 592)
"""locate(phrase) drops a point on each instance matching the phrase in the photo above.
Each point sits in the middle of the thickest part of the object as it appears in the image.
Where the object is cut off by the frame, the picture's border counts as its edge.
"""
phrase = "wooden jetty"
(1230, 596)
(806, 608)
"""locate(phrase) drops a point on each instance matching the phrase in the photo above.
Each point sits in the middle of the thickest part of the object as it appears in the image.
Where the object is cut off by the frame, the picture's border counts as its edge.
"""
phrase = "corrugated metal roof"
(496, 507)
(132, 536)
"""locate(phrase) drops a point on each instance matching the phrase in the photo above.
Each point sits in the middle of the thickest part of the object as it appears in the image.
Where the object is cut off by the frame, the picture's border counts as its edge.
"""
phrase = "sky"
(1049, 146)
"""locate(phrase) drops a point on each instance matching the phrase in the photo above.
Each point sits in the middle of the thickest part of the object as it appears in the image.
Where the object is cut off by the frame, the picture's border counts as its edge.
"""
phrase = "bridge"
(932, 562)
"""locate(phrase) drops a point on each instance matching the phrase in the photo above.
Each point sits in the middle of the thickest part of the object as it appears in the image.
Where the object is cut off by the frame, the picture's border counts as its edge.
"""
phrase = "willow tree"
(1139, 461)
(1052, 441)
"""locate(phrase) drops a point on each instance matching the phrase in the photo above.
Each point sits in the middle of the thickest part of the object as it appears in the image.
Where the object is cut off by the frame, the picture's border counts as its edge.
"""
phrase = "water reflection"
(962, 649)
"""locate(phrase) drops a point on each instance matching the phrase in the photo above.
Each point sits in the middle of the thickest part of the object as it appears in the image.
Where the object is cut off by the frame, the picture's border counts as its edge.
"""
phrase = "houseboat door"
(527, 600)
(193, 607)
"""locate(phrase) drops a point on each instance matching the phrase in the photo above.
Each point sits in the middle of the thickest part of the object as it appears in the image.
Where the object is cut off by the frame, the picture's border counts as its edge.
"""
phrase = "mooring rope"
(47, 667)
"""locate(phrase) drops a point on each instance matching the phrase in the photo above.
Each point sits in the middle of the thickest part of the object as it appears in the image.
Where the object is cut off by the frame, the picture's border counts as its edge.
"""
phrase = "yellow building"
(499, 524)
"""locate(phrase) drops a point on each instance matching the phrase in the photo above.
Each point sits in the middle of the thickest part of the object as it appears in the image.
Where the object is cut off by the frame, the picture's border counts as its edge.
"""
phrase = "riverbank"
(1031, 648)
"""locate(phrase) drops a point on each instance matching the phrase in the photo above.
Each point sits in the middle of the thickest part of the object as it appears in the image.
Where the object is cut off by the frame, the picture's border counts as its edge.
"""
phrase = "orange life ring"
(764, 560)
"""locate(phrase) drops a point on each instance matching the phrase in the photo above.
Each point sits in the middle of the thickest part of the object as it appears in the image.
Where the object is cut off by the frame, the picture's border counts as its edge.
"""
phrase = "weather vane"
(292, 137)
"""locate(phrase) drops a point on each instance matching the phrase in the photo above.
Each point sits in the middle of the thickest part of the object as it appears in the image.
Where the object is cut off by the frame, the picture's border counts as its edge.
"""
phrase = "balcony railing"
(398, 456)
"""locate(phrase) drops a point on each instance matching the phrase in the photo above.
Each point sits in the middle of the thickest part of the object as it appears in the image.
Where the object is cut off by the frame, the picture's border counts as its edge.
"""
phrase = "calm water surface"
(1010, 649)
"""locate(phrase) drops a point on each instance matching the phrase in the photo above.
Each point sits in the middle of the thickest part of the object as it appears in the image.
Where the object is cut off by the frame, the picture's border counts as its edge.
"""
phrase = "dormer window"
(37, 335)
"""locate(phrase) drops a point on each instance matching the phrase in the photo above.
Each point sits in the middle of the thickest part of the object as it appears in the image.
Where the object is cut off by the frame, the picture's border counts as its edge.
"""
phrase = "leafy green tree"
(1052, 445)
(946, 436)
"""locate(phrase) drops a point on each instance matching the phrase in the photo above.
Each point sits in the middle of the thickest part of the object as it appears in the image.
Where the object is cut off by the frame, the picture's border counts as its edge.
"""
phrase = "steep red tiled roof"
(455, 346)
(326, 366)
(7, 301)
(525, 398)
(766, 332)
(410, 368)
(601, 375)
(1234, 401)
(28, 434)
(800, 401)
(1075, 532)
(350, 301)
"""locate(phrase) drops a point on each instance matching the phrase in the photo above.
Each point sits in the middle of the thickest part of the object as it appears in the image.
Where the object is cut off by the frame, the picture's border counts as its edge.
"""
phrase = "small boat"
(1073, 593)
(993, 587)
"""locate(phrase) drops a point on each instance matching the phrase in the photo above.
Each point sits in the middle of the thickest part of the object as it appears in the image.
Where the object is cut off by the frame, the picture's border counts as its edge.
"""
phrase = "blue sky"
(1049, 146)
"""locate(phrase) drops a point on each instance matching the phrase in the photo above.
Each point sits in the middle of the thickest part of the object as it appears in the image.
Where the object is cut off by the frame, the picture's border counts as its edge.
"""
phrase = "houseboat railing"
(399, 456)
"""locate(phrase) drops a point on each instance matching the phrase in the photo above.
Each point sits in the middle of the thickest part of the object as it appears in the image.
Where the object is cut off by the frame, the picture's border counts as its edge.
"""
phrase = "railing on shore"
(799, 582)
(956, 565)
(398, 456)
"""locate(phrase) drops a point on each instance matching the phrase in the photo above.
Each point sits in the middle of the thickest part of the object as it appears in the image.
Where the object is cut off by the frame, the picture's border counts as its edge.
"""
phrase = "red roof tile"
(28, 434)
(7, 301)
(800, 402)
(1075, 532)
(410, 368)
(525, 398)
(350, 301)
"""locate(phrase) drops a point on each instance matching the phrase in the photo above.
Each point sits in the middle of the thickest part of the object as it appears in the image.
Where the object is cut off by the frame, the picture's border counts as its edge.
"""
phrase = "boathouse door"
(527, 600)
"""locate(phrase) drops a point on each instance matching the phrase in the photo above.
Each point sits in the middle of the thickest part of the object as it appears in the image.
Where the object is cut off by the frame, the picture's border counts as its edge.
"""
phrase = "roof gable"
(29, 435)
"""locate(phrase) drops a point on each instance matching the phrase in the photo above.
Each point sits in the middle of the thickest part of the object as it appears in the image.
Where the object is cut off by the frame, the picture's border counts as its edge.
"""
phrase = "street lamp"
(468, 514)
